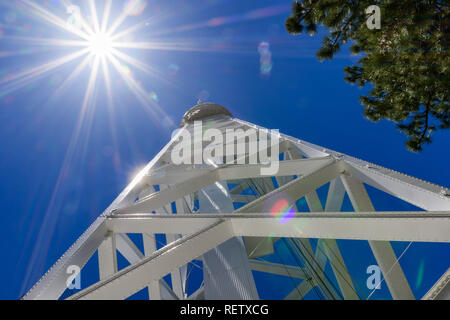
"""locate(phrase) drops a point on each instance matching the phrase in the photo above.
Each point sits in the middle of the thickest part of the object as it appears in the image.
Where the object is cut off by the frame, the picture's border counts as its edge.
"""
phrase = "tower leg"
(227, 273)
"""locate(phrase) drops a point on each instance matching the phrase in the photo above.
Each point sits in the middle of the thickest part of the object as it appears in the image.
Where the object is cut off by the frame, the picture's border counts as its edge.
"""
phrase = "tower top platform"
(202, 111)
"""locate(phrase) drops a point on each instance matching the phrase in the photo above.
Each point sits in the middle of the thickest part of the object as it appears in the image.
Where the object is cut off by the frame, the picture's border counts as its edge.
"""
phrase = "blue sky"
(54, 183)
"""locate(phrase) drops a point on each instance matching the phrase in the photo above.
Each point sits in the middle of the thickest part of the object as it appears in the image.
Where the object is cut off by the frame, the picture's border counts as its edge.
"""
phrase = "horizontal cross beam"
(383, 226)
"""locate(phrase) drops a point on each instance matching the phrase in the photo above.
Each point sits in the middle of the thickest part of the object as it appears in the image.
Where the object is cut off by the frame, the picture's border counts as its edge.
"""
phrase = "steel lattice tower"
(192, 204)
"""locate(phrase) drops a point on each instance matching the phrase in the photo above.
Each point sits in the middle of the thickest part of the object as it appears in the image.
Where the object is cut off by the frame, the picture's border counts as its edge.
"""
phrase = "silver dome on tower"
(202, 111)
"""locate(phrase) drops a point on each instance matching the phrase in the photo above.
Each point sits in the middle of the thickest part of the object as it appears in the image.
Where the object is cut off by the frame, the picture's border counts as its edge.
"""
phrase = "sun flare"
(100, 38)
(100, 44)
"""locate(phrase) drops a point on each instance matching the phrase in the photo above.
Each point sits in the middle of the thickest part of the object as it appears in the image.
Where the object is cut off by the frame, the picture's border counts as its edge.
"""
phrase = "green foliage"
(406, 61)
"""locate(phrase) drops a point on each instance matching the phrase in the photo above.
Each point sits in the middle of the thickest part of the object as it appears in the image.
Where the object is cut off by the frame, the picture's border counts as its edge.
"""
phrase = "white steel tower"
(194, 204)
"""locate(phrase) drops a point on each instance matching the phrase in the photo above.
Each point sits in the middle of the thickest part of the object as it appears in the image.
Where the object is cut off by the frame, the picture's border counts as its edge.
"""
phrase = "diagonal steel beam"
(159, 199)
(127, 248)
(441, 289)
(421, 193)
(199, 294)
(301, 290)
(137, 276)
(299, 187)
(157, 289)
(316, 266)
(53, 284)
(384, 254)
(277, 268)
(330, 247)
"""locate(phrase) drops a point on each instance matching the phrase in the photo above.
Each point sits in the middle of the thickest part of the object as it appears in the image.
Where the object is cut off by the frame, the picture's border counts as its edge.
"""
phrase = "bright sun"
(100, 44)
(100, 48)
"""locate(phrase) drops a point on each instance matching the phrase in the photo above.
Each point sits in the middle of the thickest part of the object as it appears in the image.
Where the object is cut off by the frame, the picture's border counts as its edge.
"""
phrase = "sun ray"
(17, 81)
(138, 64)
(144, 24)
(179, 46)
(16, 53)
(130, 30)
(145, 68)
(256, 14)
(75, 73)
(110, 106)
(162, 16)
(94, 16)
(109, 96)
(49, 222)
(47, 41)
(88, 107)
(46, 67)
(84, 24)
(106, 77)
(106, 13)
(174, 46)
(118, 22)
(142, 96)
(50, 17)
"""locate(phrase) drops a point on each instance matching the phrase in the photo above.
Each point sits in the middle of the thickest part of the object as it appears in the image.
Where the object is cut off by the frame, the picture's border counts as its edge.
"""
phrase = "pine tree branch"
(344, 28)
(427, 112)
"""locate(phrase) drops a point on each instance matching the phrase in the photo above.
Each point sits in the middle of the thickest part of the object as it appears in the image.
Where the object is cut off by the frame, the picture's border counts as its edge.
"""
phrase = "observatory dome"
(202, 111)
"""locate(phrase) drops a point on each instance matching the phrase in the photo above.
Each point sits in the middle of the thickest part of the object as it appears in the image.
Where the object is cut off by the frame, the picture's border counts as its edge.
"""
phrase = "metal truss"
(193, 206)
(441, 289)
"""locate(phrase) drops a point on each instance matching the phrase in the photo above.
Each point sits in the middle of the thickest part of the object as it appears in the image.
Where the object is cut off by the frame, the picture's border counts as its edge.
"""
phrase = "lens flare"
(282, 210)
(135, 7)
(265, 58)
(420, 274)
